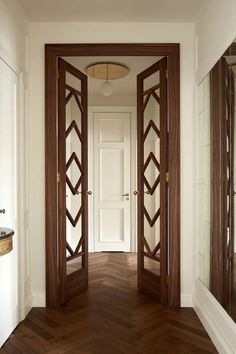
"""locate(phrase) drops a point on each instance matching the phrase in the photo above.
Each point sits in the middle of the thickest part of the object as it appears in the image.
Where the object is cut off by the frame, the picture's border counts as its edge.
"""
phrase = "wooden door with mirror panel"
(72, 178)
(227, 141)
(152, 180)
(222, 187)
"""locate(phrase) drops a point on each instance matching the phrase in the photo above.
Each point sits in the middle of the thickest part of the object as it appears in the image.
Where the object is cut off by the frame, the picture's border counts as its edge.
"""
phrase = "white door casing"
(111, 158)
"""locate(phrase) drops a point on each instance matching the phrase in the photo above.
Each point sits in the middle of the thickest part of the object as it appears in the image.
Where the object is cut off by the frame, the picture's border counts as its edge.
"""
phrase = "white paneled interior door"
(112, 181)
(8, 200)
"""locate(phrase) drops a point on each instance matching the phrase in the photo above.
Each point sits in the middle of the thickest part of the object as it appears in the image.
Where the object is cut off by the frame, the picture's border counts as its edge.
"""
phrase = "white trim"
(132, 111)
(28, 304)
(39, 300)
(186, 300)
(13, 65)
(220, 327)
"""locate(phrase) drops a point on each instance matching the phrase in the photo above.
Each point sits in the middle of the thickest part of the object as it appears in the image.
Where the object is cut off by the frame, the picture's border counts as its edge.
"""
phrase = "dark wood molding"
(52, 53)
(51, 179)
(215, 124)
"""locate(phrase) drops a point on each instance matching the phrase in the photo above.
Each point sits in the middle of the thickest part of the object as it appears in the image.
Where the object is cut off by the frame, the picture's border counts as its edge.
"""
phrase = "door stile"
(74, 280)
(140, 163)
(61, 181)
(149, 282)
(84, 101)
(164, 176)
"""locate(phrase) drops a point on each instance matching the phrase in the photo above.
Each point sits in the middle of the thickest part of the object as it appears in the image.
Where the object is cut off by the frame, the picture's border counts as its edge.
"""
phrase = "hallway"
(111, 317)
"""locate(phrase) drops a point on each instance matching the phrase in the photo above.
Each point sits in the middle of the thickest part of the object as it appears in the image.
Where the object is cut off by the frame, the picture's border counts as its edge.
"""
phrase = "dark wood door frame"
(52, 52)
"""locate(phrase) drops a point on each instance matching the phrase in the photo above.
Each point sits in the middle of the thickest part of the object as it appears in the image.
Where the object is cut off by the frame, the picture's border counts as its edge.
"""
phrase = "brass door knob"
(136, 192)
(86, 193)
(2, 211)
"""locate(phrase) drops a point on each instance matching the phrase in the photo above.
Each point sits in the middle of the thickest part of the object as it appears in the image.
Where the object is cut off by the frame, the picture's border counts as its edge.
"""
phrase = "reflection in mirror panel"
(217, 181)
(204, 180)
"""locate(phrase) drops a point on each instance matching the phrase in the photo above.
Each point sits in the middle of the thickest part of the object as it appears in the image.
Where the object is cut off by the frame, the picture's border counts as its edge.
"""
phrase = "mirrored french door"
(152, 180)
(72, 181)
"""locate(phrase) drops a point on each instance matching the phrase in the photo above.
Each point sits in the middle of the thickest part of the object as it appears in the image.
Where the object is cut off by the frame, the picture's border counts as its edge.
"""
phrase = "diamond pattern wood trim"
(74, 125)
(153, 88)
(146, 101)
(75, 158)
(76, 253)
(155, 257)
(152, 157)
(69, 96)
(153, 220)
(156, 249)
(146, 244)
(74, 221)
(74, 189)
(152, 189)
(72, 89)
(157, 98)
(152, 125)
(79, 254)
(79, 244)
(149, 93)
(79, 103)
(69, 249)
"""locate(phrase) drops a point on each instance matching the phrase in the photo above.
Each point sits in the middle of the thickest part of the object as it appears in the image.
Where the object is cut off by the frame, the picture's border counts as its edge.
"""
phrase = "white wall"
(41, 33)
(13, 52)
(215, 30)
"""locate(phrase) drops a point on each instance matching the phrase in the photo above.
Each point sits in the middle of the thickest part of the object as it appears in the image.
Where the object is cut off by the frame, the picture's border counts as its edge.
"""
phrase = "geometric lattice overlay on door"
(74, 174)
(151, 172)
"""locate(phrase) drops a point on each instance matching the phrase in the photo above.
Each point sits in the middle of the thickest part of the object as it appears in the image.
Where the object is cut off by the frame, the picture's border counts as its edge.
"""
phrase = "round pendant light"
(107, 88)
(107, 71)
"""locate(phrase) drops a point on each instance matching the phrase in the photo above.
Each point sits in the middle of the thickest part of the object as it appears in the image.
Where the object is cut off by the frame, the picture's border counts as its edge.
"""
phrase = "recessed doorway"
(156, 189)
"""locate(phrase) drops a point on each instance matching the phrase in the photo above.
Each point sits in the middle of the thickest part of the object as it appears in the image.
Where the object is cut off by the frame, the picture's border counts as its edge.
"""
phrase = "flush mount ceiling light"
(107, 71)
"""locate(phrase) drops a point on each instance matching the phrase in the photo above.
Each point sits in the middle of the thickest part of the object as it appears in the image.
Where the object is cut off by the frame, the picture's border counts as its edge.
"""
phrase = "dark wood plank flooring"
(112, 317)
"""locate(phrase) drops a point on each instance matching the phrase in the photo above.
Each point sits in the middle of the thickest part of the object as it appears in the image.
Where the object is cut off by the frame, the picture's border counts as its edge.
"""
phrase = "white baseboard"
(220, 327)
(39, 301)
(28, 305)
(186, 300)
(10, 318)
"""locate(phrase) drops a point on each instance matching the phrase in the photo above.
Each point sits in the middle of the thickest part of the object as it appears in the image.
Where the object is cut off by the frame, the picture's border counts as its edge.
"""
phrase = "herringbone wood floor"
(112, 317)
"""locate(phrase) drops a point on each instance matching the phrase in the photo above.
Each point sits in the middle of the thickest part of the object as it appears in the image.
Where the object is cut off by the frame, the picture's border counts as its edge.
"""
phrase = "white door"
(112, 181)
(8, 200)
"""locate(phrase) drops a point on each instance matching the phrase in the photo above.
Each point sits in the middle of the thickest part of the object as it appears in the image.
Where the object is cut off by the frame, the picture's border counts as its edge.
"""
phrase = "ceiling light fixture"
(107, 71)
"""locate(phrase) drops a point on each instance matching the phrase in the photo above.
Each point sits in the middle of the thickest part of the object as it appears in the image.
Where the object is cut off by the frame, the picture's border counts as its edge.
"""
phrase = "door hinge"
(58, 177)
(167, 74)
(167, 177)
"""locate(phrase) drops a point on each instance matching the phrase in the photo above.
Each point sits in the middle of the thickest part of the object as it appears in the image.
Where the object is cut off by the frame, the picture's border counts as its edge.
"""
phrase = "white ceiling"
(125, 89)
(112, 10)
